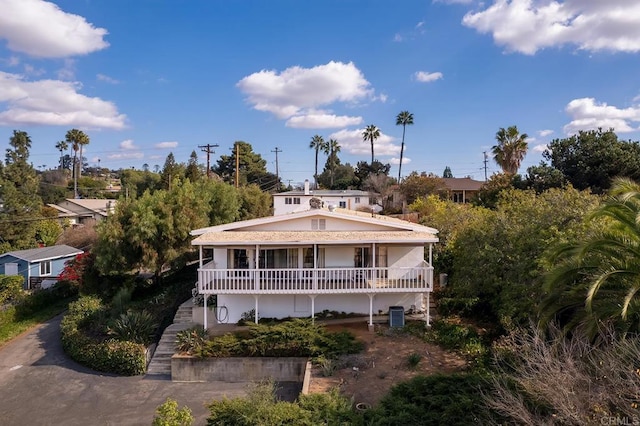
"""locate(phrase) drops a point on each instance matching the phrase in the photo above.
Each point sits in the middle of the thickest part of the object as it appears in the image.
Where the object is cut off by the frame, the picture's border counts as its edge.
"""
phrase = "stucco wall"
(285, 369)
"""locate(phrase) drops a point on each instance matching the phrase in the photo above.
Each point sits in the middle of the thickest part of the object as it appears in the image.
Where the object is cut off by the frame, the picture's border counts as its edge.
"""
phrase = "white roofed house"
(80, 211)
(301, 263)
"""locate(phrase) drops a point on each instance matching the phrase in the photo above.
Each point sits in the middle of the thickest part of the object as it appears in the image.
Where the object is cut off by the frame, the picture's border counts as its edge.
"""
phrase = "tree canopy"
(252, 168)
(510, 149)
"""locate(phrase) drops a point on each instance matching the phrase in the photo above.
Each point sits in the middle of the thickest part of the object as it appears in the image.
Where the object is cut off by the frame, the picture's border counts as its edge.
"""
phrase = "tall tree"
(332, 160)
(252, 168)
(447, 172)
(19, 194)
(510, 150)
(62, 146)
(318, 144)
(593, 158)
(370, 134)
(76, 139)
(403, 119)
(171, 170)
(193, 171)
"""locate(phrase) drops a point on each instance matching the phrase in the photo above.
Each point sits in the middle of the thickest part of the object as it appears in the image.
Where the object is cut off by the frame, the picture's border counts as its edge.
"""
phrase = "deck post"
(256, 296)
(370, 308)
(428, 313)
(313, 307)
(205, 310)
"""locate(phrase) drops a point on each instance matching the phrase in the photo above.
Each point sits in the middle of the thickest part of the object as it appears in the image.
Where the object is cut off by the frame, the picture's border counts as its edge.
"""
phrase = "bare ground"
(368, 376)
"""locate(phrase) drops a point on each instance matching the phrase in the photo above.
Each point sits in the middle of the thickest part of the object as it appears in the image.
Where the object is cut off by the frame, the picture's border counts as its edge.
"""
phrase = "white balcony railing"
(315, 281)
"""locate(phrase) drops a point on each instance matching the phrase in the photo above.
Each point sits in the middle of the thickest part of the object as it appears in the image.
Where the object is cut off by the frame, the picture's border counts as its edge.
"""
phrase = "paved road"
(39, 385)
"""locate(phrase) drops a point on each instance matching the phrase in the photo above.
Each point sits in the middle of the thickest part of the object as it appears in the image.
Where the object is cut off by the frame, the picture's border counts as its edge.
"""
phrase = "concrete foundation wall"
(234, 370)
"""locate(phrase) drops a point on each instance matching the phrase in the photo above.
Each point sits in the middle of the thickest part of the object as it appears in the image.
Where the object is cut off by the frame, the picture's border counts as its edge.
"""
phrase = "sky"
(145, 78)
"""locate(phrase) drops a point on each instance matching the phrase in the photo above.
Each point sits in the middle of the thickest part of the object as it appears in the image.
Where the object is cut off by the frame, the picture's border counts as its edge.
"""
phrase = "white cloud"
(427, 77)
(53, 102)
(396, 161)
(397, 38)
(126, 155)
(166, 145)
(107, 79)
(527, 26)
(539, 148)
(40, 29)
(322, 121)
(127, 145)
(587, 114)
(545, 133)
(298, 91)
(31, 70)
(351, 141)
(68, 71)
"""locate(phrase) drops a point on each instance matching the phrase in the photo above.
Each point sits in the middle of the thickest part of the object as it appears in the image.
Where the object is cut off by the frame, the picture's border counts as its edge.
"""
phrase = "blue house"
(37, 265)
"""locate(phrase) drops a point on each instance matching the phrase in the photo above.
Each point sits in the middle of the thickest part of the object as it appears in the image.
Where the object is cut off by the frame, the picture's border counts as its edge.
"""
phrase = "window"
(357, 200)
(308, 257)
(342, 204)
(457, 197)
(278, 258)
(318, 224)
(292, 200)
(45, 268)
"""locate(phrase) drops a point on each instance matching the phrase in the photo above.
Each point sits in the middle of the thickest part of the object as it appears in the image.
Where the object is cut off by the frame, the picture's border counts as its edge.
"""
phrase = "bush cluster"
(10, 287)
(298, 337)
(110, 355)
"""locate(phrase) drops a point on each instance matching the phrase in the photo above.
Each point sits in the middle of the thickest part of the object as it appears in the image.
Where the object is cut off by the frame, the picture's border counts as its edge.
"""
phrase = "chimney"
(306, 187)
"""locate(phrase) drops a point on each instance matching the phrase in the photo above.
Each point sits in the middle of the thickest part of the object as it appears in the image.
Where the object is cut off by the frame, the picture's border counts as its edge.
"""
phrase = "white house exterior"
(295, 201)
(83, 210)
(301, 263)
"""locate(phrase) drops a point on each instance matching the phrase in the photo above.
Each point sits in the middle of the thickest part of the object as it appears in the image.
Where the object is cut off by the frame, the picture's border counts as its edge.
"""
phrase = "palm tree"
(317, 143)
(510, 149)
(77, 139)
(61, 146)
(333, 148)
(597, 281)
(371, 133)
(403, 119)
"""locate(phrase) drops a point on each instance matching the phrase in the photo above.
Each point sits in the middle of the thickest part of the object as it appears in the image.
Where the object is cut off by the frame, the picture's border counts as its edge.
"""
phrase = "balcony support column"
(206, 296)
(256, 297)
(313, 307)
(371, 295)
(428, 318)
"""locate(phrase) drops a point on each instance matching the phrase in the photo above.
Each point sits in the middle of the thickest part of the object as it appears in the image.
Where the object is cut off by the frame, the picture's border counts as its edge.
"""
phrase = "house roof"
(396, 230)
(44, 253)
(97, 205)
(462, 184)
(313, 237)
(326, 193)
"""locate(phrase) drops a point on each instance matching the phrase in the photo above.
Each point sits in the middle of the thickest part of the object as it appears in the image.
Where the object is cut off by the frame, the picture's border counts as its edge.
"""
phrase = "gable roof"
(326, 193)
(396, 230)
(73, 206)
(462, 184)
(345, 214)
(44, 253)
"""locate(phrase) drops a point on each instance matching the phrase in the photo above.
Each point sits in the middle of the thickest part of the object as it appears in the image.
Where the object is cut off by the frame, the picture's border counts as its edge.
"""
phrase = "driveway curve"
(40, 385)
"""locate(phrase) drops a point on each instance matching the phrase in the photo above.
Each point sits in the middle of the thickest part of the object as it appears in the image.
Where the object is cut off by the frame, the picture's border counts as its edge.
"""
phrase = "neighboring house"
(37, 265)
(319, 259)
(462, 190)
(79, 211)
(351, 199)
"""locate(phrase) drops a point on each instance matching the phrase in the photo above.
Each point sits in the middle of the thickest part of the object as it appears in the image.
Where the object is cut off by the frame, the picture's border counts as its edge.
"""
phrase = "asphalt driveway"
(39, 385)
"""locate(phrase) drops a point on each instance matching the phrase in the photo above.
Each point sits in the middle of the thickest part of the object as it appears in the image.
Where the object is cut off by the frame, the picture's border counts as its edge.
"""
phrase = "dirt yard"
(367, 377)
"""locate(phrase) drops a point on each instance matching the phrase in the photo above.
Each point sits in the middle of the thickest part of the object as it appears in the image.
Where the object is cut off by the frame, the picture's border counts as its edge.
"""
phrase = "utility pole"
(208, 148)
(277, 150)
(485, 165)
(237, 164)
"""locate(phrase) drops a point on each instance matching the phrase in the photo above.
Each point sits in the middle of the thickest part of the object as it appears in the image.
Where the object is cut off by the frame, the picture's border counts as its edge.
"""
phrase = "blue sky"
(147, 77)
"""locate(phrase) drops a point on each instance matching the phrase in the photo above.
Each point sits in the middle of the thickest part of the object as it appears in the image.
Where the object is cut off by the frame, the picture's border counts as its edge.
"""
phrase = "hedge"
(10, 287)
(112, 356)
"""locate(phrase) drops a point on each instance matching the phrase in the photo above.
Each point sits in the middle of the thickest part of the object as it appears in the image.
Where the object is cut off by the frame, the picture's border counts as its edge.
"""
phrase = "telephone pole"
(485, 165)
(277, 150)
(208, 148)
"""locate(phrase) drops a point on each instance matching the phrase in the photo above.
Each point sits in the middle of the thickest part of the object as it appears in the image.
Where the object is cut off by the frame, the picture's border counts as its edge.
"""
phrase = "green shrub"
(458, 337)
(10, 287)
(413, 360)
(134, 326)
(121, 301)
(455, 399)
(168, 414)
(298, 337)
(113, 356)
(191, 340)
(329, 408)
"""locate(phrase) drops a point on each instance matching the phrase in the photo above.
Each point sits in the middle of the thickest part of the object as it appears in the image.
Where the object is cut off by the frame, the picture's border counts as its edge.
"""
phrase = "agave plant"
(134, 326)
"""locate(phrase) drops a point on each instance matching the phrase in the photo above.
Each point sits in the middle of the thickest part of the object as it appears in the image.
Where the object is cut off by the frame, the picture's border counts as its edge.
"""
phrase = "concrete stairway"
(161, 361)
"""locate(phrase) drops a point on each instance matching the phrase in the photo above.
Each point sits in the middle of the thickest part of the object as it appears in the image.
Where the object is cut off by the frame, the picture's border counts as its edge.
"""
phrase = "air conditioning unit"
(396, 316)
